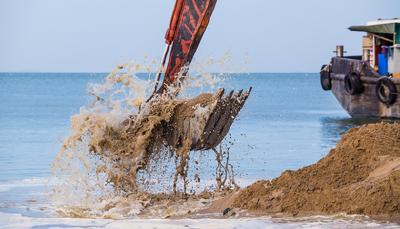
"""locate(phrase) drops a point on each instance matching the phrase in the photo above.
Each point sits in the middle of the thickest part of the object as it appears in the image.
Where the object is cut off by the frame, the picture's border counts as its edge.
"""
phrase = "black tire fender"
(325, 78)
(386, 91)
(353, 84)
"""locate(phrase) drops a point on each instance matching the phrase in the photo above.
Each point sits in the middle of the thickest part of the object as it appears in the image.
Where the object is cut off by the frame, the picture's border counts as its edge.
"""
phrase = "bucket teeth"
(221, 118)
(220, 93)
(217, 121)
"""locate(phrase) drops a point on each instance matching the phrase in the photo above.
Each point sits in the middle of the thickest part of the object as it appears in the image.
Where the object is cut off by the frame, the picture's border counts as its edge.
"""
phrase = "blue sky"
(96, 35)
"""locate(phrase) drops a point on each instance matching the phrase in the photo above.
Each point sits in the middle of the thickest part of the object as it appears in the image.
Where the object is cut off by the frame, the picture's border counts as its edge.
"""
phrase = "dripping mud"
(119, 162)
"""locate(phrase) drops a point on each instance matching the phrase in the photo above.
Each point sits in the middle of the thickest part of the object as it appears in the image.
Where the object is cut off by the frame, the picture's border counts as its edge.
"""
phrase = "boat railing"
(345, 65)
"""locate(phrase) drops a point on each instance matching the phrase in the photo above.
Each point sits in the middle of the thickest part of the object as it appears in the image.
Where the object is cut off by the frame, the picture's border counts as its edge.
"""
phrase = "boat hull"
(367, 103)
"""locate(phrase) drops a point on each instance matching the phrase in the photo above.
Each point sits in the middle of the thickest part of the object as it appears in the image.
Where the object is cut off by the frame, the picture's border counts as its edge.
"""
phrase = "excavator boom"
(188, 23)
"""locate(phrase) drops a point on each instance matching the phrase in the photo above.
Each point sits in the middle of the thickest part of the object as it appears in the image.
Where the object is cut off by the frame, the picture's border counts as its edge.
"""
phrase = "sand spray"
(115, 164)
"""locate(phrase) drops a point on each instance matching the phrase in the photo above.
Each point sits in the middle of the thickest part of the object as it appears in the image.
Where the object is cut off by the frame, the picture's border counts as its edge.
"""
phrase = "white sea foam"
(18, 221)
(28, 182)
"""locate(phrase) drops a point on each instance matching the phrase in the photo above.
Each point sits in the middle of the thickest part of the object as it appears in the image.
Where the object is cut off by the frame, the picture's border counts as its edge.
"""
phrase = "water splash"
(104, 168)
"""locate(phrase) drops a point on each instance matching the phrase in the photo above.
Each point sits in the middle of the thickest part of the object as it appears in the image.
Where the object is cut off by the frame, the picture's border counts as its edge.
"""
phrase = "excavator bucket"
(205, 123)
(208, 123)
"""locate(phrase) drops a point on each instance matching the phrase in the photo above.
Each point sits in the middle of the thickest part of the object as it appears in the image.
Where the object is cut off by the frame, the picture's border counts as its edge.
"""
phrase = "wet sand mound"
(360, 176)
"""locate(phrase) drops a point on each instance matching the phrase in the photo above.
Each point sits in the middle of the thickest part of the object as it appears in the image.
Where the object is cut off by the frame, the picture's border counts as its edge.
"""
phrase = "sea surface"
(288, 122)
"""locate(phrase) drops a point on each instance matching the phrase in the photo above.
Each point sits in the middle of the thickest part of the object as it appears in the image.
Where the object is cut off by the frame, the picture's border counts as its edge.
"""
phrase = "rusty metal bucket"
(209, 123)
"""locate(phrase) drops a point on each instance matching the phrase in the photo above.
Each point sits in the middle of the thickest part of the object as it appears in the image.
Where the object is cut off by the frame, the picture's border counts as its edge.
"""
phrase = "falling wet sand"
(99, 169)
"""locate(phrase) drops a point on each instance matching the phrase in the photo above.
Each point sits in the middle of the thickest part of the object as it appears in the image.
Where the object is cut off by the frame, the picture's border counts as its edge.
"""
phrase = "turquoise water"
(287, 123)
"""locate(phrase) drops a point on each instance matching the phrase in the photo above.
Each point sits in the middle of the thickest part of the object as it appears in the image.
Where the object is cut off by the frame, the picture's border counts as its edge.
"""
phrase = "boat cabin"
(381, 46)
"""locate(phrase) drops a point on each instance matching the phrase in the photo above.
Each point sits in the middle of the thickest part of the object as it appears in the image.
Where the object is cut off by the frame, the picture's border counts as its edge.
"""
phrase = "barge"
(368, 85)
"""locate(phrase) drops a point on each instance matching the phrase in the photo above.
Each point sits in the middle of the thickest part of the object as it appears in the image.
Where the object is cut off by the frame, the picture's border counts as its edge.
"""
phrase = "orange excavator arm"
(173, 24)
(188, 23)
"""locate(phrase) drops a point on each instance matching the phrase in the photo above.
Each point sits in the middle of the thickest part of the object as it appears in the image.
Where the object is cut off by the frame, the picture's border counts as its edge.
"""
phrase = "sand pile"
(360, 176)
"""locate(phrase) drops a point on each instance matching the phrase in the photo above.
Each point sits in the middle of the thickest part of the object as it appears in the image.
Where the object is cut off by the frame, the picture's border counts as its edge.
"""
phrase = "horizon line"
(44, 72)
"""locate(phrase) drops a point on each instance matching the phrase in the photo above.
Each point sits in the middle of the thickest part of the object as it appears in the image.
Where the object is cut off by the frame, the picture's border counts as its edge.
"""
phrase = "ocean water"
(288, 122)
